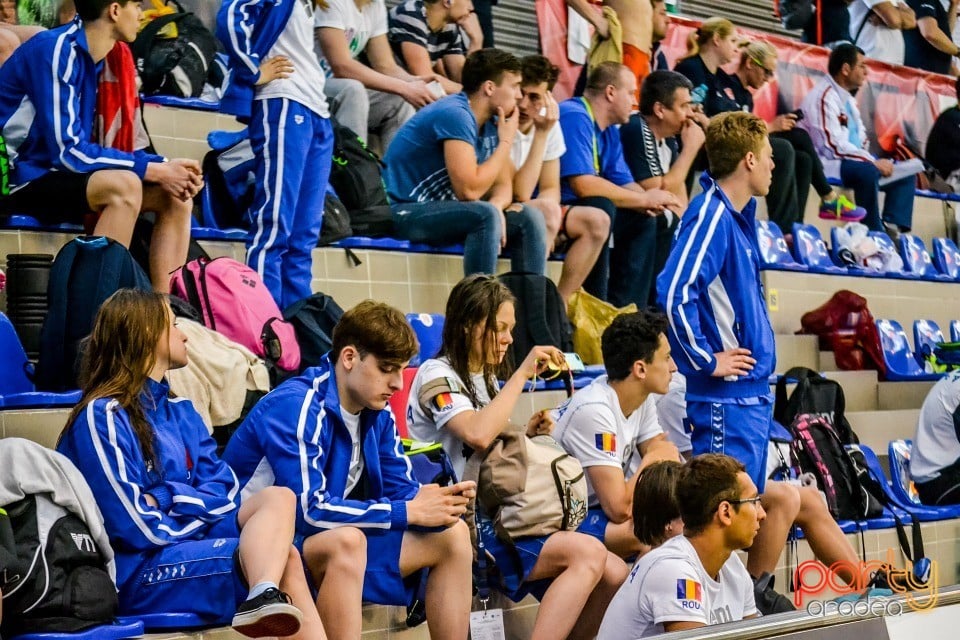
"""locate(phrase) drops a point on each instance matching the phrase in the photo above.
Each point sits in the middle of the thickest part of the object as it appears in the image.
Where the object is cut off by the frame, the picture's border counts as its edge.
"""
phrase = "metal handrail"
(794, 621)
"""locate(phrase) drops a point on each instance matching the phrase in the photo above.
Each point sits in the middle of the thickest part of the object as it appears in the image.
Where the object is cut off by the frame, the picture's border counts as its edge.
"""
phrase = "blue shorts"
(595, 524)
(195, 576)
(739, 430)
(382, 581)
(513, 563)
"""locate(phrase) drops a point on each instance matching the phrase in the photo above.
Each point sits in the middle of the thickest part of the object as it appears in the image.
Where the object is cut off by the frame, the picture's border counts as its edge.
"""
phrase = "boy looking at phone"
(611, 426)
(365, 527)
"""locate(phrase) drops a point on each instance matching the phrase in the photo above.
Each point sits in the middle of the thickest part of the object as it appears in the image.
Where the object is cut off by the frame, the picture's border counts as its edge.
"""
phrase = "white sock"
(259, 588)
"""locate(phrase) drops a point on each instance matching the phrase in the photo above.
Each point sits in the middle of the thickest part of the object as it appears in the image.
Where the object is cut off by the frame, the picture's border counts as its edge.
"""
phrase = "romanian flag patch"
(606, 442)
(689, 590)
(442, 401)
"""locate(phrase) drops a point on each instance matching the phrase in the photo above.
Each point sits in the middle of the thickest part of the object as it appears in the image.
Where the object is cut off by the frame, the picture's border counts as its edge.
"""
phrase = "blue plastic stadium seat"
(774, 252)
(592, 371)
(917, 260)
(899, 359)
(182, 103)
(168, 621)
(810, 250)
(855, 270)
(955, 330)
(902, 483)
(16, 389)
(20, 221)
(946, 257)
(119, 631)
(886, 244)
(926, 335)
(429, 330)
(386, 244)
(210, 233)
(904, 510)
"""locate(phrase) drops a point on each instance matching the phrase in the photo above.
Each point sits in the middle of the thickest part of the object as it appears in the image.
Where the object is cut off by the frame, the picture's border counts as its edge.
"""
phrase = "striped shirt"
(408, 23)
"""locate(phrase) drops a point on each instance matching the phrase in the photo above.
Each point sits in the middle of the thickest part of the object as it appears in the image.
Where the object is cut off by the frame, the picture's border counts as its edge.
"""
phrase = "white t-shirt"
(522, 142)
(352, 422)
(592, 428)
(436, 395)
(358, 25)
(669, 584)
(936, 446)
(879, 43)
(672, 413)
(305, 84)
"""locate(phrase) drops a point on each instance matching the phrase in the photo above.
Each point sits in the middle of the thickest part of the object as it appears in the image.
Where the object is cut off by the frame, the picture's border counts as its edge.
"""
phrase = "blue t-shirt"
(416, 170)
(582, 136)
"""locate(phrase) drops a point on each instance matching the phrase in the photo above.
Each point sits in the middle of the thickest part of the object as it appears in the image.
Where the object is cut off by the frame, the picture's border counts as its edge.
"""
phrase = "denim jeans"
(864, 178)
(477, 225)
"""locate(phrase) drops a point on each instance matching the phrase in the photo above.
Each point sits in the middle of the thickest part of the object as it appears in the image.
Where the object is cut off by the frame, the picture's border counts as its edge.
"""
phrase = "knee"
(597, 224)
(121, 189)
(591, 558)
(552, 215)
(457, 540)
(351, 546)
(812, 505)
(487, 216)
(280, 498)
(351, 93)
(781, 499)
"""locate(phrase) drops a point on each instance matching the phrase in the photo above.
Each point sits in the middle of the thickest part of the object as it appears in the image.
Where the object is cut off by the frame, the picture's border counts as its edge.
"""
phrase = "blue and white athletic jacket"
(296, 438)
(48, 99)
(711, 291)
(248, 30)
(193, 488)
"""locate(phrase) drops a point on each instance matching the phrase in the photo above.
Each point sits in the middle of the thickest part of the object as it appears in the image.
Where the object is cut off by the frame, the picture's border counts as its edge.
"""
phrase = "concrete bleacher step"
(877, 428)
(797, 351)
(859, 388)
(791, 294)
(902, 395)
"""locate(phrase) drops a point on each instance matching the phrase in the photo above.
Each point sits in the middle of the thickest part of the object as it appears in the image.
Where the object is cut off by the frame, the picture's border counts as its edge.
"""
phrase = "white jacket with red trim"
(827, 112)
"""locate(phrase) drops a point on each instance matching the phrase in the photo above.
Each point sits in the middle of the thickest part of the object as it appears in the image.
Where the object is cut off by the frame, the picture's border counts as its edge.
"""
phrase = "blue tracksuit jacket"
(248, 30)
(711, 291)
(296, 438)
(48, 98)
(193, 488)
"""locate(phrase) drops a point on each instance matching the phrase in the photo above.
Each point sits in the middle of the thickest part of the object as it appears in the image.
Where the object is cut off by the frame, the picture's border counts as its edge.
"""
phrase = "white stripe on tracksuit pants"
(293, 145)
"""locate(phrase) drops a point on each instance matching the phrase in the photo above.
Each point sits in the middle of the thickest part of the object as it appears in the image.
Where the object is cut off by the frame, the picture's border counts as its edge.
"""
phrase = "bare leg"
(171, 234)
(337, 559)
(552, 219)
(266, 522)
(576, 562)
(589, 229)
(781, 501)
(826, 539)
(614, 573)
(620, 540)
(117, 196)
(448, 555)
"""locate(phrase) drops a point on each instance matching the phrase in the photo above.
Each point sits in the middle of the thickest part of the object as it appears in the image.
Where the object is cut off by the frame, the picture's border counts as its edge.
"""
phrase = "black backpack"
(313, 319)
(356, 171)
(815, 395)
(177, 66)
(86, 272)
(336, 221)
(52, 574)
(541, 314)
(817, 449)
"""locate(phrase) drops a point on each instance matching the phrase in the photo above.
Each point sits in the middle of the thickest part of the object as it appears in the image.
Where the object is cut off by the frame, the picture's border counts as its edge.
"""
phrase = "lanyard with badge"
(488, 623)
(593, 131)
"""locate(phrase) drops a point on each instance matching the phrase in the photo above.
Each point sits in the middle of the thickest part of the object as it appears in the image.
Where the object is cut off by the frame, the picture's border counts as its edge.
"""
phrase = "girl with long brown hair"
(183, 541)
(456, 400)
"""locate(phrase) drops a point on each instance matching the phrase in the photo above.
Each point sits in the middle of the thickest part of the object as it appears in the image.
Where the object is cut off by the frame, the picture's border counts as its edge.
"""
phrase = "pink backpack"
(233, 300)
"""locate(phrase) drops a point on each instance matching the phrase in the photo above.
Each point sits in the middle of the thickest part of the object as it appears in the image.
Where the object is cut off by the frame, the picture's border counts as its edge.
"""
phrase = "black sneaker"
(767, 599)
(269, 614)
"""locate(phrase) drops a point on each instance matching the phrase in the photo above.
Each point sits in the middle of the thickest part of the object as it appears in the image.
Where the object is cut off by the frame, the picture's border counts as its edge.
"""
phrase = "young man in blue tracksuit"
(722, 339)
(365, 526)
(276, 85)
(52, 168)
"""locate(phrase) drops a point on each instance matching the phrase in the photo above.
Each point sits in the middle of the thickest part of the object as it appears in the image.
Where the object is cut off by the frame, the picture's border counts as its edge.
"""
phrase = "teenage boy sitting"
(449, 171)
(48, 95)
(611, 426)
(537, 149)
(695, 579)
(365, 526)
